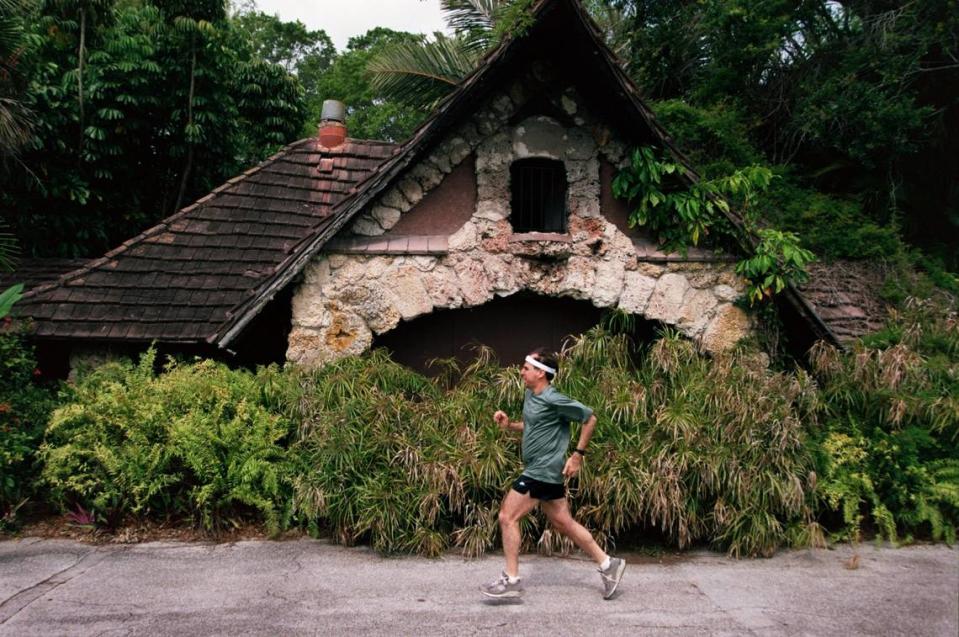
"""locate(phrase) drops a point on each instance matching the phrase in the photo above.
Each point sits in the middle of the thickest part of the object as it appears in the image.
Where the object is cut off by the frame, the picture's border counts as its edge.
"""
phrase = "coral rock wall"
(345, 299)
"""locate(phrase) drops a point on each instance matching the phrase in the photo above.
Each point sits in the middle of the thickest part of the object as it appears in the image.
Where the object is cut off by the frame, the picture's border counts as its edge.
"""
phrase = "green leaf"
(8, 297)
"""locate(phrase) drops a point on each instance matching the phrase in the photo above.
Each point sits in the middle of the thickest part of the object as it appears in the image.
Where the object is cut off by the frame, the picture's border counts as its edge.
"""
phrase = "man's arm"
(575, 460)
(503, 421)
(588, 427)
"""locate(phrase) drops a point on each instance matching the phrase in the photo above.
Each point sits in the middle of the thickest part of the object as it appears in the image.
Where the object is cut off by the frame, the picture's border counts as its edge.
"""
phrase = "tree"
(162, 117)
(858, 96)
(301, 52)
(14, 117)
(371, 114)
(289, 44)
(193, 21)
(80, 14)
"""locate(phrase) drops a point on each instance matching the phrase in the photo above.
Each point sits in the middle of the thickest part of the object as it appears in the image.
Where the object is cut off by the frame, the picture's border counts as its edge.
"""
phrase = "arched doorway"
(512, 326)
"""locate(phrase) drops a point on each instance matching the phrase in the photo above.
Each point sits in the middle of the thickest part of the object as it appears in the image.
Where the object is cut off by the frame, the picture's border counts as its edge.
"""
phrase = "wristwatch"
(581, 452)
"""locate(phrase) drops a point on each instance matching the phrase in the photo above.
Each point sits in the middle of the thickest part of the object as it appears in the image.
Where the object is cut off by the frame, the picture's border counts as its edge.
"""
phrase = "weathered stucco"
(345, 299)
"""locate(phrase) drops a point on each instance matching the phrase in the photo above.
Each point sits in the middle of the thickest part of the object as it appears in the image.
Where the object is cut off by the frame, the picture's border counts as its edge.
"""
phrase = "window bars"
(539, 195)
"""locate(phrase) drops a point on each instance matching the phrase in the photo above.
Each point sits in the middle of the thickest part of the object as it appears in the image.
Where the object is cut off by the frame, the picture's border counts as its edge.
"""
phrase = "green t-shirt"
(546, 419)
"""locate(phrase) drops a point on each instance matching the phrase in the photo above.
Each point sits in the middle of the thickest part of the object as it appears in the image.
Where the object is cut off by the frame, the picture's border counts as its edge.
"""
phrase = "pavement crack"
(16, 603)
(275, 595)
(724, 611)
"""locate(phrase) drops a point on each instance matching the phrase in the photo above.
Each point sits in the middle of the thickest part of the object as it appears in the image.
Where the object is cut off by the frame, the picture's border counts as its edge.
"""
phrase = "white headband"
(535, 363)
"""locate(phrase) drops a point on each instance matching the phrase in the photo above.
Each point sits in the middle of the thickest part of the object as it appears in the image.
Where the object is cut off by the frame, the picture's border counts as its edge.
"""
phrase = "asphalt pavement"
(310, 587)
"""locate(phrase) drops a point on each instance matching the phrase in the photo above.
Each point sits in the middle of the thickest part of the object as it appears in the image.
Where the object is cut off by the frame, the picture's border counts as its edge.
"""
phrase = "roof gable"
(193, 282)
(561, 31)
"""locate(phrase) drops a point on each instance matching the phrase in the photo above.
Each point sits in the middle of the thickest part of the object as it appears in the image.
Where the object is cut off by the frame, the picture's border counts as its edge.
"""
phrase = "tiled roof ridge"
(163, 225)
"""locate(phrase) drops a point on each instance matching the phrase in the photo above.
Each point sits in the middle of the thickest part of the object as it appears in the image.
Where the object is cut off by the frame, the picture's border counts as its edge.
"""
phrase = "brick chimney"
(332, 131)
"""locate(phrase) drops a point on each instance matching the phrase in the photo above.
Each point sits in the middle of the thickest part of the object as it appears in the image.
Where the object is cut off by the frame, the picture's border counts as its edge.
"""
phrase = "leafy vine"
(680, 213)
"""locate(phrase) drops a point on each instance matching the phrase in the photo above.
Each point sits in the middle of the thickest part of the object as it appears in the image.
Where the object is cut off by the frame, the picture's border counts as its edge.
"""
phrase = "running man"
(545, 426)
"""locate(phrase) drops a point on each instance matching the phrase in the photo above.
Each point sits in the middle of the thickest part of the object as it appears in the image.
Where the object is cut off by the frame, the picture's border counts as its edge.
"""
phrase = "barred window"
(539, 195)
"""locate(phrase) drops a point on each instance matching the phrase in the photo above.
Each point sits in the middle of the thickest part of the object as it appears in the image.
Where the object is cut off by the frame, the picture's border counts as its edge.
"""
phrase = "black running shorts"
(539, 490)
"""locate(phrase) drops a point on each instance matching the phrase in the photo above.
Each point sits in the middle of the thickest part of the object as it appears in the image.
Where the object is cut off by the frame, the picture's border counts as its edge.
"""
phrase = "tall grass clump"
(705, 450)
(407, 463)
(888, 449)
(199, 441)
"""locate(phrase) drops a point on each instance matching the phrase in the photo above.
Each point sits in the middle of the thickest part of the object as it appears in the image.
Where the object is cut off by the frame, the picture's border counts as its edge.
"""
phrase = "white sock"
(511, 579)
(605, 564)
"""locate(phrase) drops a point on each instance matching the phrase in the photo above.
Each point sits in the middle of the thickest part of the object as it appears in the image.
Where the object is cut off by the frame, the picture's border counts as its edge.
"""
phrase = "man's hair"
(547, 358)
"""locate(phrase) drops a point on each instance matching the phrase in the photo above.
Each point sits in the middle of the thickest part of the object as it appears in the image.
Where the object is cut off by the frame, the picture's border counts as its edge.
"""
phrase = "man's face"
(531, 375)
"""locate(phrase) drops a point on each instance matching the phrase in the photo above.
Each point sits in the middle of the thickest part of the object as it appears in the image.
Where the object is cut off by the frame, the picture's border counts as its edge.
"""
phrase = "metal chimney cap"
(333, 110)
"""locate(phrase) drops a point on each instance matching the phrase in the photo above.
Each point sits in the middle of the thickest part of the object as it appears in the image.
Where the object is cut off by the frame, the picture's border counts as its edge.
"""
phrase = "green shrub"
(715, 139)
(888, 451)
(705, 450)
(832, 227)
(195, 441)
(26, 401)
(389, 457)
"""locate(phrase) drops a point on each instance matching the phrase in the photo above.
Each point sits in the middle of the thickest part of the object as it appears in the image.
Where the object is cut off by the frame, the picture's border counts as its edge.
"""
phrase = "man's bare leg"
(610, 568)
(514, 508)
(559, 516)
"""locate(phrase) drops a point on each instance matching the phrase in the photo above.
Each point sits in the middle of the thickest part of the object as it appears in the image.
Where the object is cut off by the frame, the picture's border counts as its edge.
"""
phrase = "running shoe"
(501, 587)
(612, 576)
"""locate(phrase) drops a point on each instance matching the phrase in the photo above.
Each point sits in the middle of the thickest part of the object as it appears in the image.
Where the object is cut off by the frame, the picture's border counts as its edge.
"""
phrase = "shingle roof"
(31, 272)
(846, 296)
(183, 278)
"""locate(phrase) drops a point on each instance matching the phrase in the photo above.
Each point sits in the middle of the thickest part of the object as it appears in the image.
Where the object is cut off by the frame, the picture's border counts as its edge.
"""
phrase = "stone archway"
(377, 279)
(511, 326)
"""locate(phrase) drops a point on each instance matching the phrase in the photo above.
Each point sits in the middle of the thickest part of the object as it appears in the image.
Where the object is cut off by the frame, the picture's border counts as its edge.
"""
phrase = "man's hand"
(573, 465)
(501, 419)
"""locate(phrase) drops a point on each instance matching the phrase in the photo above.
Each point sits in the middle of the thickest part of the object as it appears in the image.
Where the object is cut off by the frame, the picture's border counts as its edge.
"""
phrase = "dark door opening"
(511, 326)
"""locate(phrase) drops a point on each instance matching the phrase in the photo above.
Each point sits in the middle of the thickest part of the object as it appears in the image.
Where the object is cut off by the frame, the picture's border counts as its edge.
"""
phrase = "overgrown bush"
(888, 451)
(715, 139)
(833, 227)
(704, 450)
(199, 441)
(718, 450)
(404, 462)
(26, 401)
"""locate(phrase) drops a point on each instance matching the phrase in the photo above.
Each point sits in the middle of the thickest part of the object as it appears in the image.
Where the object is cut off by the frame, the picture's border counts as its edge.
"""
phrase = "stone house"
(495, 222)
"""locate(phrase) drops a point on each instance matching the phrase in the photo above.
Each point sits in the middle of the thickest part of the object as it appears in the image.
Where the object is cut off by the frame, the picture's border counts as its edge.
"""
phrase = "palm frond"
(15, 120)
(15, 125)
(422, 74)
(474, 20)
(9, 250)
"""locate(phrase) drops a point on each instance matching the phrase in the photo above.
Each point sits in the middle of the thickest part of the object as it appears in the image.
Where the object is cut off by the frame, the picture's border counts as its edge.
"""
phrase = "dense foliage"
(859, 100)
(679, 212)
(161, 103)
(199, 441)
(889, 443)
(723, 450)
(26, 401)
(701, 451)
(113, 115)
